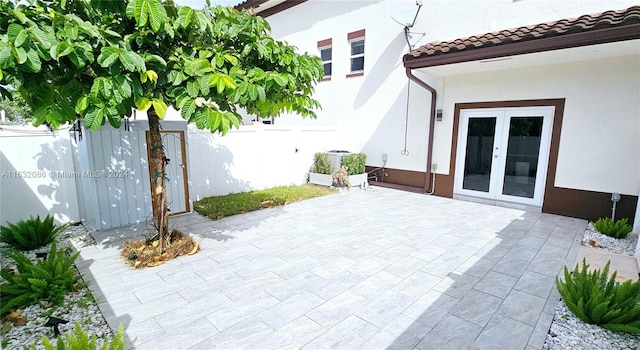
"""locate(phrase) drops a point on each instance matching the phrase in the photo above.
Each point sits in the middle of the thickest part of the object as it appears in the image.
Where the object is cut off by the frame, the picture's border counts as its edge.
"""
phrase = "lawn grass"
(237, 203)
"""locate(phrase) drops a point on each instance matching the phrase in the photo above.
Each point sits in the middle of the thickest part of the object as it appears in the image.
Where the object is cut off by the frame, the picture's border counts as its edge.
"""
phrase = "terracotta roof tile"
(586, 23)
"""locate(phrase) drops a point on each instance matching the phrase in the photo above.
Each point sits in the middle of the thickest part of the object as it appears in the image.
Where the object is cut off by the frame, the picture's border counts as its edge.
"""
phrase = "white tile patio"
(371, 269)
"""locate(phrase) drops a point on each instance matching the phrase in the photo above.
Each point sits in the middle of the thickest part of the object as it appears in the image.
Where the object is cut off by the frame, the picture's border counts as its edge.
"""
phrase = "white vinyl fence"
(253, 157)
(33, 162)
(44, 172)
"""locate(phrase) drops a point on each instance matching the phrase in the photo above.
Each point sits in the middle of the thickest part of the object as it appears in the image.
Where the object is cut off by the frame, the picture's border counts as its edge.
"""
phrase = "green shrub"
(78, 339)
(597, 299)
(355, 163)
(50, 279)
(321, 164)
(30, 234)
(618, 229)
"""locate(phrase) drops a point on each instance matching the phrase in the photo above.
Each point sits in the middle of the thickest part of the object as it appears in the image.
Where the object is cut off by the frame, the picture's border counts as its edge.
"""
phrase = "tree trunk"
(157, 164)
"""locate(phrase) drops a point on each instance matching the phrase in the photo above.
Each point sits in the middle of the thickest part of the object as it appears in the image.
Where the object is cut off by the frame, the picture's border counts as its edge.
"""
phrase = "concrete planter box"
(358, 180)
(320, 179)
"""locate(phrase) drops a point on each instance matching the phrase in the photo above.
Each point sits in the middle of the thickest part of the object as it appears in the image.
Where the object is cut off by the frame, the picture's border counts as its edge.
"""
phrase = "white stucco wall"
(601, 126)
(370, 111)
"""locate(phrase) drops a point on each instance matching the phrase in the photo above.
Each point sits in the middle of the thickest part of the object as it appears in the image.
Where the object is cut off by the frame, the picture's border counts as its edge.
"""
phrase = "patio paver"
(370, 269)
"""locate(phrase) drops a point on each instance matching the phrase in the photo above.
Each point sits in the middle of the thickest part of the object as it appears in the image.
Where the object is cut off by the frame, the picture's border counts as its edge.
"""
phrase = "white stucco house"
(528, 103)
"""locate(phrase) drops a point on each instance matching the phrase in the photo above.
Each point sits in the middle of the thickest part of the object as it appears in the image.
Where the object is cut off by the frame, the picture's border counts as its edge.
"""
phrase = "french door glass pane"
(523, 151)
(479, 153)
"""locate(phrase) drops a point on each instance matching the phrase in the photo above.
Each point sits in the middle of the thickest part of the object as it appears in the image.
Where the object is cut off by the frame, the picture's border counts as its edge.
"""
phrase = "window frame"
(323, 45)
(352, 38)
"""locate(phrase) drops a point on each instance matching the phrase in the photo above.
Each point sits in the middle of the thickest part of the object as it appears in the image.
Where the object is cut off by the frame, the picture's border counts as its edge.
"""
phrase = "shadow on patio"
(361, 269)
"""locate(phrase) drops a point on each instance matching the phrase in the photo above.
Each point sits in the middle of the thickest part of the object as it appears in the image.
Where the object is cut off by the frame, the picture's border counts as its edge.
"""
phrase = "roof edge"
(594, 37)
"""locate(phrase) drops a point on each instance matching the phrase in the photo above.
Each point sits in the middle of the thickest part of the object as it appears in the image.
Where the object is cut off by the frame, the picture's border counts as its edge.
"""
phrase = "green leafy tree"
(97, 60)
(15, 108)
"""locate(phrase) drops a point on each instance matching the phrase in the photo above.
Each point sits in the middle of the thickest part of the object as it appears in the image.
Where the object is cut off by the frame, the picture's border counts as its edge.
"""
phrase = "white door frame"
(498, 161)
(177, 186)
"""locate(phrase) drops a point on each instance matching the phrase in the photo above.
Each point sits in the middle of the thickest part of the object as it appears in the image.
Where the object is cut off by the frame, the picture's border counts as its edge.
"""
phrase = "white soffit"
(576, 54)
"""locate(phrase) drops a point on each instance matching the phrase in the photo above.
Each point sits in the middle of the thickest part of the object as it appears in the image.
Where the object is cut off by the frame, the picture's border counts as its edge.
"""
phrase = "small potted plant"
(320, 172)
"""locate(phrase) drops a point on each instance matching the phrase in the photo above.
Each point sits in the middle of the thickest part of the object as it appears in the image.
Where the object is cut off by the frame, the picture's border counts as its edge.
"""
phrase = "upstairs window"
(356, 43)
(357, 56)
(324, 46)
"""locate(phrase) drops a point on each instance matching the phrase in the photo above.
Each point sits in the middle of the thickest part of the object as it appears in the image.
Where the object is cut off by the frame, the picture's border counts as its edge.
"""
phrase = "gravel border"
(78, 307)
(569, 332)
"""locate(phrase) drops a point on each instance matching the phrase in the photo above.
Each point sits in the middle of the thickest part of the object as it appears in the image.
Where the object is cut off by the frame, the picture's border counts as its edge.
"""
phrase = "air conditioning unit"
(335, 156)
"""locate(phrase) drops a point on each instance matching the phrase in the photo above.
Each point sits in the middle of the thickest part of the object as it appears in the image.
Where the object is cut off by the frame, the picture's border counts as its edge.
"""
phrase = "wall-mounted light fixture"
(615, 198)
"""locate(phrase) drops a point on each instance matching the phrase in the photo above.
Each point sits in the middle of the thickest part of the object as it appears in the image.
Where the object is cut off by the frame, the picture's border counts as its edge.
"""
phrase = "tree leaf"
(224, 127)
(185, 17)
(151, 10)
(94, 118)
(33, 60)
(156, 60)
(159, 106)
(132, 61)
(108, 56)
(228, 81)
(82, 104)
(261, 94)
(21, 38)
(122, 85)
(153, 76)
(71, 30)
(40, 36)
(279, 79)
(143, 103)
(193, 88)
(188, 110)
(20, 54)
(213, 118)
(253, 92)
(231, 59)
(61, 49)
(20, 15)
(13, 30)
(114, 118)
(5, 57)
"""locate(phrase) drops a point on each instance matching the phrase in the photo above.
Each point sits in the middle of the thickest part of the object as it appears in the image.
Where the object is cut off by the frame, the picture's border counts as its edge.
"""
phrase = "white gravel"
(77, 307)
(626, 246)
(569, 332)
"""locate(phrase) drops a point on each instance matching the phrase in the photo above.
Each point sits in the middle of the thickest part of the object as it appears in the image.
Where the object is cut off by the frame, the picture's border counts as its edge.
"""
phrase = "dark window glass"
(357, 47)
(327, 69)
(325, 54)
(478, 159)
(523, 151)
(357, 64)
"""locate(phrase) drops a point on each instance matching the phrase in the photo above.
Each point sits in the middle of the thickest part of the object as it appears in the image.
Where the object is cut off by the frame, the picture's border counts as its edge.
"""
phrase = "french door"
(503, 153)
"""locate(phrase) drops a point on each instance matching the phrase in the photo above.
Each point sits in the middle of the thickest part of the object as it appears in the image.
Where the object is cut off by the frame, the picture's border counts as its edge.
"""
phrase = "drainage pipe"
(428, 183)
